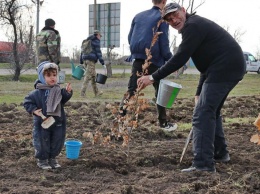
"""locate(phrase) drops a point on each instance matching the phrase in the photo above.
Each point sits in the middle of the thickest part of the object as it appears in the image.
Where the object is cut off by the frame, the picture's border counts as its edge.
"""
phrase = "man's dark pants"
(132, 85)
(208, 133)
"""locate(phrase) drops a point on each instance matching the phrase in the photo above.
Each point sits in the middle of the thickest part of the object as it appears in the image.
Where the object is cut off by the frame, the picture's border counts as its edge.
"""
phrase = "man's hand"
(105, 66)
(144, 81)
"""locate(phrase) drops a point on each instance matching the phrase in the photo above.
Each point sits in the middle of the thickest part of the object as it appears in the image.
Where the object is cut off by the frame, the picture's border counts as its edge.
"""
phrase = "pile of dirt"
(149, 165)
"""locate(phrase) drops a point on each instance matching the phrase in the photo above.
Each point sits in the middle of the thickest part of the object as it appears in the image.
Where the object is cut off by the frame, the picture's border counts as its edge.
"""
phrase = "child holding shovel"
(48, 100)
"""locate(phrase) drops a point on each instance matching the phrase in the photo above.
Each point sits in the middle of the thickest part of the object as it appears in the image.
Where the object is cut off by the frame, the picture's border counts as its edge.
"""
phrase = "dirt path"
(152, 165)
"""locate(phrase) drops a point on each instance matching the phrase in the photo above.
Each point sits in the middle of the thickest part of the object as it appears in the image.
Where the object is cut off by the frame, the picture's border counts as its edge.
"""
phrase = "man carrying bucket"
(220, 60)
(140, 37)
(90, 54)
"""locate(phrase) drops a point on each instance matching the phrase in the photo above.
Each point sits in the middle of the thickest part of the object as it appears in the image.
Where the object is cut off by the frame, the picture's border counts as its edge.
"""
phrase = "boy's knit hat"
(42, 66)
(49, 22)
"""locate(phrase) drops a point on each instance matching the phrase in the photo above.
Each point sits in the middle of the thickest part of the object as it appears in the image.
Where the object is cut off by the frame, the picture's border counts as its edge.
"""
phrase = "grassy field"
(115, 87)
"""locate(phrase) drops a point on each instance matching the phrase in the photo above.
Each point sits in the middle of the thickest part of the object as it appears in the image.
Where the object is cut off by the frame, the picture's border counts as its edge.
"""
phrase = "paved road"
(69, 71)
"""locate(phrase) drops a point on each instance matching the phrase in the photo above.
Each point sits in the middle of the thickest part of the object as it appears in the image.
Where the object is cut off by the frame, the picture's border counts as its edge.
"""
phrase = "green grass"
(228, 121)
(115, 87)
(23, 78)
(4, 65)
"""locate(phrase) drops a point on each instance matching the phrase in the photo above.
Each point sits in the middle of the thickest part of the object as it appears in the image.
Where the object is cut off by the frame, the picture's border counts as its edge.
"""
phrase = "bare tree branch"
(11, 12)
(190, 5)
(237, 35)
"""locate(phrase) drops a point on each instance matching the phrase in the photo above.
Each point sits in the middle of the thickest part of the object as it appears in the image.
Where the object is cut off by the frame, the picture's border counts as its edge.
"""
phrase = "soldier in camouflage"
(48, 43)
(88, 59)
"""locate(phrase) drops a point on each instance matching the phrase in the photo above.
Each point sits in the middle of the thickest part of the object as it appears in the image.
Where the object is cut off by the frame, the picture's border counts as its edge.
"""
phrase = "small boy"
(48, 99)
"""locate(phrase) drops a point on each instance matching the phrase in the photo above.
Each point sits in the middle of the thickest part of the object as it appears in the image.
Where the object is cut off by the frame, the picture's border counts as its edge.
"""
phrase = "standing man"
(48, 43)
(220, 60)
(90, 54)
(140, 37)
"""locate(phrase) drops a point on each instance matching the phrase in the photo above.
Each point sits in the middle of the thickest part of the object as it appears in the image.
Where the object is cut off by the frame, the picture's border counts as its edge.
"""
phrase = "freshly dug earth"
(152, 164)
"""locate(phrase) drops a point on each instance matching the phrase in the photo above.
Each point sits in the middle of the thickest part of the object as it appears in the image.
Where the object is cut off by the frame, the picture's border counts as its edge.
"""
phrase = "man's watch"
(151, 78)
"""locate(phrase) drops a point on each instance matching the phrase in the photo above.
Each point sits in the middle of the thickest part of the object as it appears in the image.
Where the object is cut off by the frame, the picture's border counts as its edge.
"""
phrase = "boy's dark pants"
(48, 143)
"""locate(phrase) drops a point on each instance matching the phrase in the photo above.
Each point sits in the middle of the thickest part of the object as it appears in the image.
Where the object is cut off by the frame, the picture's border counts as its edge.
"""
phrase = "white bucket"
(61, 77)
(167, 93)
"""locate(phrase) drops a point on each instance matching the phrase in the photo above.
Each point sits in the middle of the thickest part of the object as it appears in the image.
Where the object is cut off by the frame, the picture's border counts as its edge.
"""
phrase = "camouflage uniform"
(48, 45)
(90, 76)
(89, 60)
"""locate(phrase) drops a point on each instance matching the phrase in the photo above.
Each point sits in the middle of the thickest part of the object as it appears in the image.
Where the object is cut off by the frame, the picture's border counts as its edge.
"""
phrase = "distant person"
(90, 54)
(49, 99)
(48, 42)
(140, 38)
(220, 60)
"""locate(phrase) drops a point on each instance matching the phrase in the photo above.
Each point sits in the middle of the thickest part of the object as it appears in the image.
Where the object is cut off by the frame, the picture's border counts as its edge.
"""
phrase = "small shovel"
(186, 144)
(47, 121)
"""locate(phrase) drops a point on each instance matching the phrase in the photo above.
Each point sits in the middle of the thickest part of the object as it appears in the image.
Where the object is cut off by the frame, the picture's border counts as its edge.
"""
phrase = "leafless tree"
(191, 5)
(257, 54)
(13, 16)
(75, 54)
(237, 34)
(109, 57)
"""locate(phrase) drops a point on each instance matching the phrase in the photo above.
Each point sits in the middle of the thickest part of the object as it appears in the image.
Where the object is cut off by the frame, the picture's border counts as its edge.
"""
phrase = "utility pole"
(38, 4)
(37, 16)
(95, 14)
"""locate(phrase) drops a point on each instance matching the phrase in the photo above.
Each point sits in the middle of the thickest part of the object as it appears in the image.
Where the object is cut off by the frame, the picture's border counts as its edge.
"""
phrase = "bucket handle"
(72, 139)
(83, 67)
(105, 69)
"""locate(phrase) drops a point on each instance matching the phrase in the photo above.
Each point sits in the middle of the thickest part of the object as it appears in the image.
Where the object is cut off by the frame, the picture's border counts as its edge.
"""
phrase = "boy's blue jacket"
(37, 99)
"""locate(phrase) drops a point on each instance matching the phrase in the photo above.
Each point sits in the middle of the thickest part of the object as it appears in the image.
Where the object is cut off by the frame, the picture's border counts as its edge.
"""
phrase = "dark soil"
(152, 165)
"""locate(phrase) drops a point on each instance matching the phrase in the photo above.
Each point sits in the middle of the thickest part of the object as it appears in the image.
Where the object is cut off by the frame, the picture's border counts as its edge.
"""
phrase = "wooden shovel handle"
(42, 116)
(186, 144)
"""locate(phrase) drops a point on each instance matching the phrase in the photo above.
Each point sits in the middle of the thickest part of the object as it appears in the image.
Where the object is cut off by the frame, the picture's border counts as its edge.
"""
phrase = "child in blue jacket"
(48, 99)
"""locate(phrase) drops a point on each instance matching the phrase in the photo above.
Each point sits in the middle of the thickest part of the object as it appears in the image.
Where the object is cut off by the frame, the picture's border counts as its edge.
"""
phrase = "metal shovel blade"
(48, 122)
(186, 144)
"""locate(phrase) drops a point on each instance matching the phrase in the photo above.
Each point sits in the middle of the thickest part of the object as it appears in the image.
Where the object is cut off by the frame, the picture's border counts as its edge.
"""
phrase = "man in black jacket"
(220, 60)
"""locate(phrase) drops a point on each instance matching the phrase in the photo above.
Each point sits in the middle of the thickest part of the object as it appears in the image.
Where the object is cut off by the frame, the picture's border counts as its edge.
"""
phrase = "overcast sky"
(71, 18)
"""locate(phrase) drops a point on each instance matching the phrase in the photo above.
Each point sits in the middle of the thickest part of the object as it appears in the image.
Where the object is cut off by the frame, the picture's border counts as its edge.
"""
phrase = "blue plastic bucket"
(73, 149)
